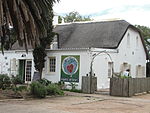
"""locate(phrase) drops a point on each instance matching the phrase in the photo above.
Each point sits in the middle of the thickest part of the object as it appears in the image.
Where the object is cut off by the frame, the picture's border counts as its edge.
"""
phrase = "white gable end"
(131, 51)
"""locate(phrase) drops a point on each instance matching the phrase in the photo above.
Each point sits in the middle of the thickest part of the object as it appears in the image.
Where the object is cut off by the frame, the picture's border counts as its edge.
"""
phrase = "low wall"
(129, 86)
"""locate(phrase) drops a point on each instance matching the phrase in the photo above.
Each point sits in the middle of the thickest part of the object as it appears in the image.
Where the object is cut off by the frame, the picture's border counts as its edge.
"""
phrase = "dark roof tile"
(105, 34)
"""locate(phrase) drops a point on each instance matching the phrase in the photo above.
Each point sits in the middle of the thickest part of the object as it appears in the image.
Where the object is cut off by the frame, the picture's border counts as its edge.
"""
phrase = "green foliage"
(44, 81)
(39, 52)
(5, 82)
(27, 29)
(145, 31)
(75, 17)
(19, 88)
(38, 90)
(61, 84)
(146, 34)
(124, 77)
(73, 90)
(148, 69)
(39, 55)
(46, 41)
(10, 40)
(73, 85)
(54, 89)
(16, 80)
(59, 19)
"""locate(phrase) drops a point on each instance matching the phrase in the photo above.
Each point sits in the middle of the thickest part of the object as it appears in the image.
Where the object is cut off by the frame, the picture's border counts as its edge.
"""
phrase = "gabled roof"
(106, 34)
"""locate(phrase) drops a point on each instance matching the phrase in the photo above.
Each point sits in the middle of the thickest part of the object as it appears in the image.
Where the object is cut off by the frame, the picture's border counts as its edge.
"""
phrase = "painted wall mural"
(70, 66)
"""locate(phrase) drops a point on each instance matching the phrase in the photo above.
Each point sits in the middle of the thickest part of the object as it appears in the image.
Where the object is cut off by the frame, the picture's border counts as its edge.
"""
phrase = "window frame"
(137, 42)
(140, 71)
(128, 40)
(53, 64)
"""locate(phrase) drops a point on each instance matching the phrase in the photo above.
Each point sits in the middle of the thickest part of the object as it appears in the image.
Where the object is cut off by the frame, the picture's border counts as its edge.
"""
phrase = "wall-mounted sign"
(70, 68)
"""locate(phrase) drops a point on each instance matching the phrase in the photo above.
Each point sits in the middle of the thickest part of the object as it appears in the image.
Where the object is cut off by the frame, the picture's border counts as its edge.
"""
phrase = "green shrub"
(73, 90)
(5, 82)
(44, 81)
(38, 90)
(73, 85)
(125, 77)
(61, 84)
(76, 90)
(19, 91)
(16, 80)
(54, 89)
(20, 88)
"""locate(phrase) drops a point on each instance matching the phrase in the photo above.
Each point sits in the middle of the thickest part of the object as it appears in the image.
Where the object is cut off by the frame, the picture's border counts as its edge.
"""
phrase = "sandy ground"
(78, 103)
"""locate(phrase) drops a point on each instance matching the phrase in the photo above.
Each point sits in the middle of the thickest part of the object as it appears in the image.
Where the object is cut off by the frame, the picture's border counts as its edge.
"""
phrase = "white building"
(114, 44)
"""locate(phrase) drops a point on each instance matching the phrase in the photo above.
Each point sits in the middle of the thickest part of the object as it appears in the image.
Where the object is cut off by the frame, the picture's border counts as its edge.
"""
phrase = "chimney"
(55, 19)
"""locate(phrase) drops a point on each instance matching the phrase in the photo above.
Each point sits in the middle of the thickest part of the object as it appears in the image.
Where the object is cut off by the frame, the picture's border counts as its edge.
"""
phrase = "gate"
(89, 85)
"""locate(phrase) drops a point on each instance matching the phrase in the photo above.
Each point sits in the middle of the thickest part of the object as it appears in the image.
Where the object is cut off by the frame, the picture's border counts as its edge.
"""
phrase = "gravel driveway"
(78, 103)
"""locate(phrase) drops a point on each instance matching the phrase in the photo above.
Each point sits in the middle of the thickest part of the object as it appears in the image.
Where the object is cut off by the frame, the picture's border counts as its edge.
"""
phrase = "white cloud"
(135, 16)
(130, 10)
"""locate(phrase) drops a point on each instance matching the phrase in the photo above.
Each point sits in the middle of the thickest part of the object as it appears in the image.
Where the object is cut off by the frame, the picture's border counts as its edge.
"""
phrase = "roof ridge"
(91, 22)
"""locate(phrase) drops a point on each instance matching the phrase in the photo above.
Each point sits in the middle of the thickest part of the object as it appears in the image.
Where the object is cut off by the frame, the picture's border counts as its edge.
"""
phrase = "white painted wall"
(84, 64)
(100, 66)
(131, 54)
(6, 61)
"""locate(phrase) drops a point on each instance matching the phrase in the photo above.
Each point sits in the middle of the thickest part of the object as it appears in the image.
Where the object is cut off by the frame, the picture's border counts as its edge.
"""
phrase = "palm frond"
(29, 18)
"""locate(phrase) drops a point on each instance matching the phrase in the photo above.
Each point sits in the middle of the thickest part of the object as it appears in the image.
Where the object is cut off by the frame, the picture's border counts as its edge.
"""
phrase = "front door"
(28, 71)
(22, 70)
(25, 70)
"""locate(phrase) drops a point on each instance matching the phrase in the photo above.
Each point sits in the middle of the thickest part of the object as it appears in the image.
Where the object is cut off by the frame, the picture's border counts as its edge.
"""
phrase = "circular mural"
(70, 65)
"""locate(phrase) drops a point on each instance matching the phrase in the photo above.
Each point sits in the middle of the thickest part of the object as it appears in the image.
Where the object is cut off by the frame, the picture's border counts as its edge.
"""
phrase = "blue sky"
(133, 11)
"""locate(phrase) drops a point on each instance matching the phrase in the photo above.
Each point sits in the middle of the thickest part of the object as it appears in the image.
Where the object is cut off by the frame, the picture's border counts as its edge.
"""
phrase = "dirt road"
(79, 103)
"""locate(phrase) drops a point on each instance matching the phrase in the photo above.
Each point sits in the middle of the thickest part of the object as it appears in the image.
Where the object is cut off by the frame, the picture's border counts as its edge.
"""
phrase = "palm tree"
(30, 19)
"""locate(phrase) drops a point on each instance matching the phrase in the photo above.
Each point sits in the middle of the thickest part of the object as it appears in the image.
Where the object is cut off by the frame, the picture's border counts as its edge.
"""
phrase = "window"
(110, 69)
(140, 71)
(128, 40)
(52, 64)
(28, 70)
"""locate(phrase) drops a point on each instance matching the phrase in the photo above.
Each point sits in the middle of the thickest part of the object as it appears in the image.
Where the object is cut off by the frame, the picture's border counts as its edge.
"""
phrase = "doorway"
(25, 70)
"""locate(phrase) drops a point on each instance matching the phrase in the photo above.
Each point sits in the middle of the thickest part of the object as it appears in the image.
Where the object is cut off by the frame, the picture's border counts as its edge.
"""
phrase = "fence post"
(86, 87)
(131, 90)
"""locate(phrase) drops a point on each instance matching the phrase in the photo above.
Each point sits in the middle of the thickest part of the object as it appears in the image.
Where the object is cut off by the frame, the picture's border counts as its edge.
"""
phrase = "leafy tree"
(39, 55)
(30, 19)
(146, 34)
(60, 19)
(10, 40)
(75, 17)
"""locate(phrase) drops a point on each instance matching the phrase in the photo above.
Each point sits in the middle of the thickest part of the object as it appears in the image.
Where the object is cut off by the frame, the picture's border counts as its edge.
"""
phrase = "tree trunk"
(40, 72)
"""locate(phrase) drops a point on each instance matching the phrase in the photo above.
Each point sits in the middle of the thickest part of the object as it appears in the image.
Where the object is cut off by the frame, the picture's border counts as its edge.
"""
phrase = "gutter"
(92, 49)
(68, 49)
(106, 50)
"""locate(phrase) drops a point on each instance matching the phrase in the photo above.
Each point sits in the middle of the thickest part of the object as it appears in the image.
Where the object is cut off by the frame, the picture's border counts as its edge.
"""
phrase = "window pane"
(52, 64)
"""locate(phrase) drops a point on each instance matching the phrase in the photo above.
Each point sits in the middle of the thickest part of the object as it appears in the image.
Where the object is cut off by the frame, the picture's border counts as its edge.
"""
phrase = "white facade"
(9, 62)
(129, 54)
